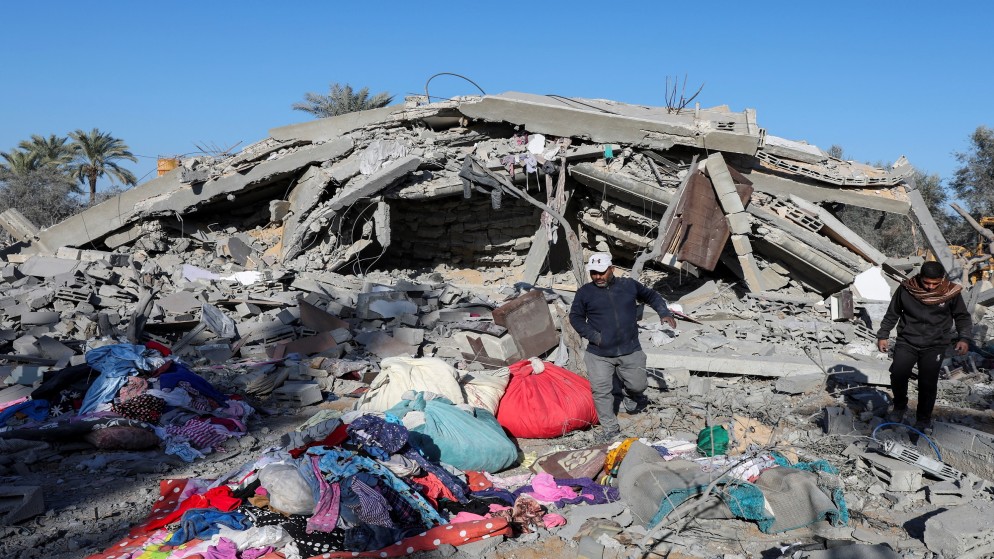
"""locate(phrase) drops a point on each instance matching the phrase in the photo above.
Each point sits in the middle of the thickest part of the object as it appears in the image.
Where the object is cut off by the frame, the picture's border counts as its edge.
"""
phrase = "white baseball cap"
(599, 262)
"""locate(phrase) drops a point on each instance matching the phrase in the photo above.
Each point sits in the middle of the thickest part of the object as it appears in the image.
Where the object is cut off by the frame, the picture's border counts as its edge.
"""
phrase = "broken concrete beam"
(19, 227)
(653, 128)
(331, 128)
(383, 178)
(724, 185)
(800, 384)
(773, 366)
(185, 198)
(840, 233)
(873, 200)
(750, 273)
(620, 185)
(937, 242)
(306, 194)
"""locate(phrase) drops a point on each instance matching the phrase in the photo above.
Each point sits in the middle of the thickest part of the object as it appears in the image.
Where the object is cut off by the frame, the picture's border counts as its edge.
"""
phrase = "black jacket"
(925, 325)
(607, 316)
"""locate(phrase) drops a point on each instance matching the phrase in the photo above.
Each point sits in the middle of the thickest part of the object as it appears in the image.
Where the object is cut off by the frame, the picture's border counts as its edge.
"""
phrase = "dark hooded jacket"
(924, 325)
(608, 316)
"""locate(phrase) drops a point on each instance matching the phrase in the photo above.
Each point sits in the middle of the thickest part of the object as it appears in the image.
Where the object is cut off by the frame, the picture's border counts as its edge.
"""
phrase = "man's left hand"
(669, 321)
(962, 347)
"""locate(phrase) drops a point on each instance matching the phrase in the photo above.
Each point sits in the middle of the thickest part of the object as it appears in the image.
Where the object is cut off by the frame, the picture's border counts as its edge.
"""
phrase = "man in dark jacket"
(605, 313)
(924, 308)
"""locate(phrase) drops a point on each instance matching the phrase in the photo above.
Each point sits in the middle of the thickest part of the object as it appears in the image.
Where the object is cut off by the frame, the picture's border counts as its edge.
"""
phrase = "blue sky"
(882, 79)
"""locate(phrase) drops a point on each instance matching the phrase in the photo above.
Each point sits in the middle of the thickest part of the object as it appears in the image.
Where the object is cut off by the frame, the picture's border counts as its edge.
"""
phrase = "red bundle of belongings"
(544, 401)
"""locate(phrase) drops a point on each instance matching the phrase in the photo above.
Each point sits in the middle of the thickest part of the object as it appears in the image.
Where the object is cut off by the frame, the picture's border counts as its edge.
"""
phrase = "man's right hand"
(882, 346)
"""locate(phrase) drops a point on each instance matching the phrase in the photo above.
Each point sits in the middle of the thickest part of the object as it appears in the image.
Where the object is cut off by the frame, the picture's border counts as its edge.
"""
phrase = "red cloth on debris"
(545, 404)
(336, 438)
(168, 510)
(433, 489)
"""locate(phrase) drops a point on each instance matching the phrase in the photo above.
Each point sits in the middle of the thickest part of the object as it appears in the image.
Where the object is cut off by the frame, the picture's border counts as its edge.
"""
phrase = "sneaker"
(604, 437)
(635, 405)
(896, 416)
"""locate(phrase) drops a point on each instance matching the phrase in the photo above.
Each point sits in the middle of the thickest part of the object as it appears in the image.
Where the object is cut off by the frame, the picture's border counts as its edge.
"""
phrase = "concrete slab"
(325, 129)
(384, 345)
(383, 178)
(773, 366)
(868, 198)
(840, 232)
(180, 302)
(962, 532)
(318, 320)
(18, 226)
(41, 266)
(19, 503)
(642, 126)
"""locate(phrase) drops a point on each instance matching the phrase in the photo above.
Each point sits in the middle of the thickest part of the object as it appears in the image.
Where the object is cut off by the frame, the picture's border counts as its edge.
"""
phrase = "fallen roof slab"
(774, 366)
(653, 128)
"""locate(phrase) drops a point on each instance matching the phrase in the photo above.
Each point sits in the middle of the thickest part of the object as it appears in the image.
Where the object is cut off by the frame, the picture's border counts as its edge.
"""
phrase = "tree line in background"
(972, 185)
(41, 177)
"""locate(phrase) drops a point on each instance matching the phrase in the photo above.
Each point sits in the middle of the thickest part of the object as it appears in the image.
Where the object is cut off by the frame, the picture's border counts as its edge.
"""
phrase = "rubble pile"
(305, 274)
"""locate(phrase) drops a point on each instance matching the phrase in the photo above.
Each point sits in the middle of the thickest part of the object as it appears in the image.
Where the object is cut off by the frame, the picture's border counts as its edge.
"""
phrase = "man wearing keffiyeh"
(925, 308)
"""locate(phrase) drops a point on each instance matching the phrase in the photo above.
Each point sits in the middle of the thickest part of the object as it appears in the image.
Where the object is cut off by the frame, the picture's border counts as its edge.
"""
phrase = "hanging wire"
(452, 74)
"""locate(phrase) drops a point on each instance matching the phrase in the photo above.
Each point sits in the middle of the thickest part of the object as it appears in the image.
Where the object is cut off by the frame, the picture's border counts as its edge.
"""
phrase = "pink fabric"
(325, 516)
(545, 489)
(498, 508)
(465, 516)
(552, 520)
(12, 403)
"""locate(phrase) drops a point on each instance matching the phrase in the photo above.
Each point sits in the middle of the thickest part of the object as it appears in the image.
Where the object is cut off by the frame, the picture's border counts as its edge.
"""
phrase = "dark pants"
(929, 361)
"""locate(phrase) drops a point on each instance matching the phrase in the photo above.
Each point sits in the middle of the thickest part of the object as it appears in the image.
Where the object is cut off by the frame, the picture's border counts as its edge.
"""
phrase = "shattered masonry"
(280, 249)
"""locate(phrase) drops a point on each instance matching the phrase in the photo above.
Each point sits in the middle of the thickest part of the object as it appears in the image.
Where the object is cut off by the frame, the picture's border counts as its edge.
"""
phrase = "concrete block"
(51, 348)
(26, 345)
(180, 302)
(963, 531)
(288, 316)
(40, 318)
(341, 335)
(278, 210)
(741, 245)
(410, 336)
(245, 310)
(699, 386)
(384, 304)
(19, 503)
(949, 493)
(739, 223)
(674, 378)
(299, 393)
(899, 476)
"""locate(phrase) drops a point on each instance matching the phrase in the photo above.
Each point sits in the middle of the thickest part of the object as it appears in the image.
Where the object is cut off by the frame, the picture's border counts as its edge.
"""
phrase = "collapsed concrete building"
(353, 236)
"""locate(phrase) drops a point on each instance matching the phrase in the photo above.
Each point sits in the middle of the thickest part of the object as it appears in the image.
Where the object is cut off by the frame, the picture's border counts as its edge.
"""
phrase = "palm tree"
(54, 151)
(98, 154)
(19, 162)
(340, 100)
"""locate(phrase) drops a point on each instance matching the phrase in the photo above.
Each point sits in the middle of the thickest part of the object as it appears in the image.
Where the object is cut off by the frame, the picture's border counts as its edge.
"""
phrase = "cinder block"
(299, 393)
(699, 386)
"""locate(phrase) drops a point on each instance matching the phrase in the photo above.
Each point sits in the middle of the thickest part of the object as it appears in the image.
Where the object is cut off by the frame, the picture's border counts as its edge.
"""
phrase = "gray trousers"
(601, 371)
